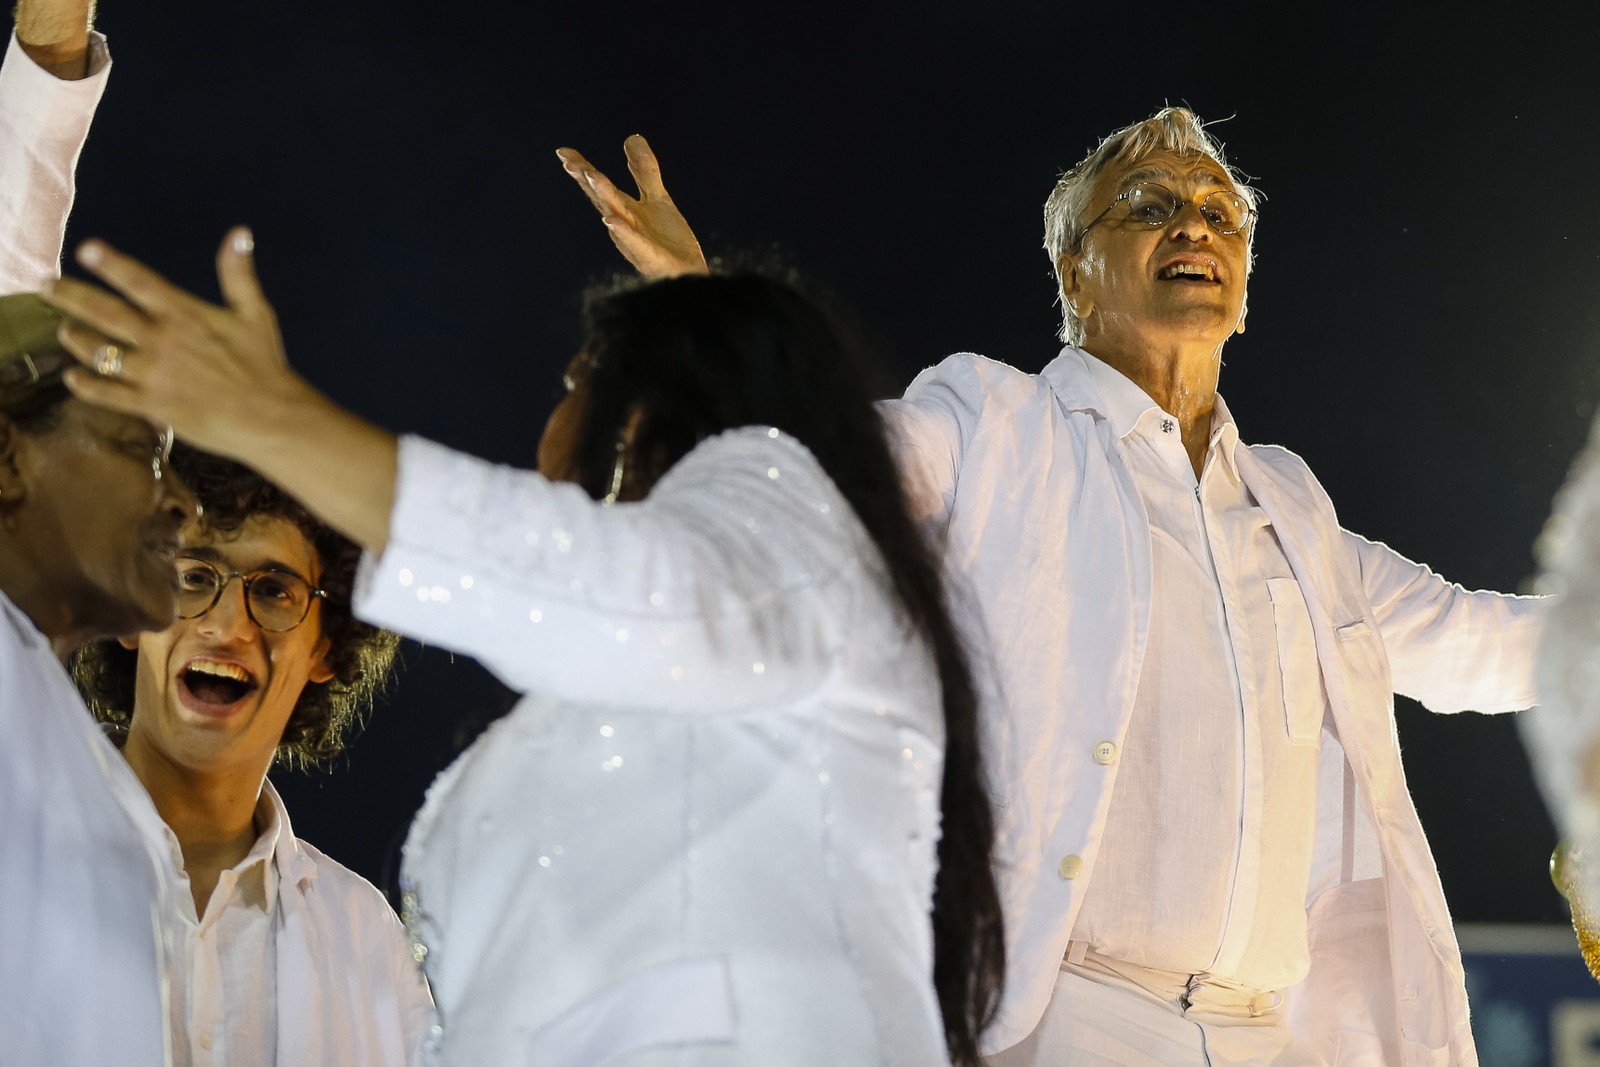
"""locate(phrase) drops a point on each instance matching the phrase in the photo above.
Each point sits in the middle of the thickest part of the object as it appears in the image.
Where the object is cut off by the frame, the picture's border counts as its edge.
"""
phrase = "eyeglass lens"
(1154, 204)
(274, 600)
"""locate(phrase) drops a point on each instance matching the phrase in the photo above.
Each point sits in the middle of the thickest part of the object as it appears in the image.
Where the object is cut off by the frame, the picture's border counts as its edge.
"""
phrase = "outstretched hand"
(649, 231)
(157, 351)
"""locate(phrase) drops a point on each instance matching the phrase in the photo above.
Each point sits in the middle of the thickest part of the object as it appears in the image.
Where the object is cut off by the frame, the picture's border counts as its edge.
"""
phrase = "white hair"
(1172, 129)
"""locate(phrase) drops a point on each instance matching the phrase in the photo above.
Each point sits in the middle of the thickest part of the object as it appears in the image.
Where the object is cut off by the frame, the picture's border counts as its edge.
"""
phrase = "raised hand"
(163, 354)
(650, 231)
(217, 374)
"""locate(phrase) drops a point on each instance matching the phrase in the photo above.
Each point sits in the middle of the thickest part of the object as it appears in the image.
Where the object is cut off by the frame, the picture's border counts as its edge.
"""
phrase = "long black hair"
(699, 355)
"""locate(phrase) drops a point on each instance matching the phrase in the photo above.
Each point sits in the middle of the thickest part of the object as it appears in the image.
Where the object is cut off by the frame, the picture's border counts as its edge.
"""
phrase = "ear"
(11, 484)
(321, 672)
(1072, 286)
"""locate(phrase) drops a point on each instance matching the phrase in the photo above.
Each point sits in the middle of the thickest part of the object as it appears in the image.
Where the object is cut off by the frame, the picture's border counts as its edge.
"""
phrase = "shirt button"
(1166, 426)
(1070, 867)
(205, 1041)
(1105, 753)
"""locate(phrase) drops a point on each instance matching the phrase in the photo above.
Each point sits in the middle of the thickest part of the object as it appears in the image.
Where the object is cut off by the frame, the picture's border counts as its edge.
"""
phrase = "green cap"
(29, 349)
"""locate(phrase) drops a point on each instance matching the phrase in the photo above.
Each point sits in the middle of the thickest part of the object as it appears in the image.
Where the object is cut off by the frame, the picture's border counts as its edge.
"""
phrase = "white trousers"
(1098, 1021)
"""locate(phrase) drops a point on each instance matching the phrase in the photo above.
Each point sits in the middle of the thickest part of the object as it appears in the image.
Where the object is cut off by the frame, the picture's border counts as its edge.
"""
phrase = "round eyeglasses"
(1154, 205)
(274, 600)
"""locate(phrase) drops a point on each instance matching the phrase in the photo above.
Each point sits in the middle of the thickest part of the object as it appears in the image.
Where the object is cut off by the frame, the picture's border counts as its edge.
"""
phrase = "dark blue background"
(1423, 325)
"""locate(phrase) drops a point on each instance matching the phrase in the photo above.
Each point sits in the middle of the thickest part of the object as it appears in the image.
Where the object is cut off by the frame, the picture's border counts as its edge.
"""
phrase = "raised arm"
(649, 231)
(55, 35)
(708, 595)
(55, 70)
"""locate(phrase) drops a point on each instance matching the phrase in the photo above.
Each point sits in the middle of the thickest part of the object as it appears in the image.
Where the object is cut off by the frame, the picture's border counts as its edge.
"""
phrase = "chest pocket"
(1303, 696)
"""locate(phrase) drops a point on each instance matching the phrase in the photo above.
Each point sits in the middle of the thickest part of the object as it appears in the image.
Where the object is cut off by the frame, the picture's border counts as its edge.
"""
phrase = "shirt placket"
(1238, 915)
(206, 981)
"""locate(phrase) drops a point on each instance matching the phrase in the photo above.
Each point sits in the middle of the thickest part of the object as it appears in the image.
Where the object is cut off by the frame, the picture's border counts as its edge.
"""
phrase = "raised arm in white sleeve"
(1450, 648)
(726, 588)
(44, 121)
(928, 429)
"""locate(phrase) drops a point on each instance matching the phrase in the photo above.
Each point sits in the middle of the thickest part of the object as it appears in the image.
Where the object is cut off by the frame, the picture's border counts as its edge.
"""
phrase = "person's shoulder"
(1281, 460)
(334, 882)
(980, 378)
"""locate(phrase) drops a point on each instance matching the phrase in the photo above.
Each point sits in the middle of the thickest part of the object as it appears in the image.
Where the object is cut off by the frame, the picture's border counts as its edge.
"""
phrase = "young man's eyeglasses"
(274, 600)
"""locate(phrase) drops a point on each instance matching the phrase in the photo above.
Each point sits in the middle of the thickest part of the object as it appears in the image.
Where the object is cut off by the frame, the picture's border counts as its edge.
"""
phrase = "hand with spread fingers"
(218, 375)
(159, 352)
(649, 231)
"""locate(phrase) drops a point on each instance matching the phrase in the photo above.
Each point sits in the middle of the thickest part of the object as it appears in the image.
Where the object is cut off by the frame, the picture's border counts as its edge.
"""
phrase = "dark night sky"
(1423, 324)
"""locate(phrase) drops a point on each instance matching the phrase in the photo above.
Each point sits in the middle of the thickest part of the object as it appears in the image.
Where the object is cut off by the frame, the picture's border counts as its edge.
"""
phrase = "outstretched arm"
(649, 231)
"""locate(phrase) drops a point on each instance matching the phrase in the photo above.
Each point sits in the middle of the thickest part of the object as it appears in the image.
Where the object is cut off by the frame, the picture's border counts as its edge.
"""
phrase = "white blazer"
(707, 834)
(1020, 478)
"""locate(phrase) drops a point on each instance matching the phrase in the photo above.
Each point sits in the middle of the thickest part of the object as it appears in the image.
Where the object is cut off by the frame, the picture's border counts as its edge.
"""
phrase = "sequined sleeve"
(44, 121)
(726, 587)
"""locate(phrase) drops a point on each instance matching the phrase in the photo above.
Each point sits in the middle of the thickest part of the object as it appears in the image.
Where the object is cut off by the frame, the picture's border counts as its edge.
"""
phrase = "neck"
(1179, 376)
(212, 813)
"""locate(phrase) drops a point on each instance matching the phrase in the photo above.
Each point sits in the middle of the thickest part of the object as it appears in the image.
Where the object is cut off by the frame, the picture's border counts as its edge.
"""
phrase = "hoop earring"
(616, 473)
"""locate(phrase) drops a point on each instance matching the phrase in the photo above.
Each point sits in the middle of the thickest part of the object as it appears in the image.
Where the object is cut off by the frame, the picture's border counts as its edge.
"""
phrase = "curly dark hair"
(360, 656)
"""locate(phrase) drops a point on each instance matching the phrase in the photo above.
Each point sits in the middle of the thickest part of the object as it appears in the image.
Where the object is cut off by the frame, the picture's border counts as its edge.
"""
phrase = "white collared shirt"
(225, 997)
(1199, 873)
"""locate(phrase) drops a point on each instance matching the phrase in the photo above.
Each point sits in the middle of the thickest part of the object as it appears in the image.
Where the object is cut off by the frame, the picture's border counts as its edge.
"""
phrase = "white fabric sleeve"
(928, 429)
(44, 121)
(1451, 649)
(721, 591)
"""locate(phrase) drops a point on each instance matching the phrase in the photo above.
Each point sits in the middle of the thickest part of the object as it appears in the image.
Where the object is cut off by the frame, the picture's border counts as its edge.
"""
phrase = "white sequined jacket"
(1021, 477)
(707, 834)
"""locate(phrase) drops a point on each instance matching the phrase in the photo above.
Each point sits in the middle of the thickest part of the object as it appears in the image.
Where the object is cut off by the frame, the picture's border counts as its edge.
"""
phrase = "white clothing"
(707, 834)
(1562, 734)
(1021, 478)
(1151, 1031)
(1198, 871)
(298, 961)
(43, 123)
(81, 881)
(324, 975)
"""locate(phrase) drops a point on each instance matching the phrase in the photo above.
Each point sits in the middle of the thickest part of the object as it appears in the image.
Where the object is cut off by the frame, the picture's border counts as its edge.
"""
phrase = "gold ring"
(108, 361)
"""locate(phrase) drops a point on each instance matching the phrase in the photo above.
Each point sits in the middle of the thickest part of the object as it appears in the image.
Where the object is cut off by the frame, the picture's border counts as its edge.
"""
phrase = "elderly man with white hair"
(1209, 852)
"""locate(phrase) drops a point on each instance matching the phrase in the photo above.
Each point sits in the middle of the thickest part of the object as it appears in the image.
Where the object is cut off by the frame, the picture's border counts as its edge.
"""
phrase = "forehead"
(260, 542)
(1184, 173)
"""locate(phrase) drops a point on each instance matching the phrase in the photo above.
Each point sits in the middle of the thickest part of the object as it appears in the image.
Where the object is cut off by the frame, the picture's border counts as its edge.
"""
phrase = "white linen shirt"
(298, 961)
(1021, 480)
(83, 881)
(1207, 847)
(707, 834)
(82, 876)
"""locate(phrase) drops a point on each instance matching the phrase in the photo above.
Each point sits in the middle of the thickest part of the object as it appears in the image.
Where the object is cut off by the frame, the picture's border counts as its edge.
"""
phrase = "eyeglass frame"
(246, 580)
(1177, 204)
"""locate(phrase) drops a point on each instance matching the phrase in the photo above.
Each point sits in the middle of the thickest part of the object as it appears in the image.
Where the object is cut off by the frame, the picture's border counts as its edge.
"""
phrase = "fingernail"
(588, 176)
(243, 241)
(610, 222)
(90, 253)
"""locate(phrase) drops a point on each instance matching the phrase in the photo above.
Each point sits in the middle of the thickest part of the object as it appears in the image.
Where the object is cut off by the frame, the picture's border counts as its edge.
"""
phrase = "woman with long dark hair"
(739, 817)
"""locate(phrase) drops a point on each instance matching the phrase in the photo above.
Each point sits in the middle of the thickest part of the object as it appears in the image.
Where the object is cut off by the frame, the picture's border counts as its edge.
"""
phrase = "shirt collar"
(1125, 406)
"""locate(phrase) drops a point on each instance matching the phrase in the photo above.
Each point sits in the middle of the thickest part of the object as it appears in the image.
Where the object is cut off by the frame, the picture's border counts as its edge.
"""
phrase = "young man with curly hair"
(291, 957)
